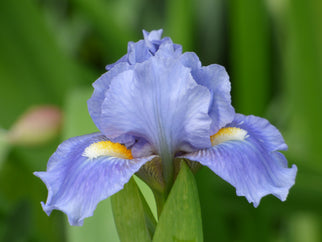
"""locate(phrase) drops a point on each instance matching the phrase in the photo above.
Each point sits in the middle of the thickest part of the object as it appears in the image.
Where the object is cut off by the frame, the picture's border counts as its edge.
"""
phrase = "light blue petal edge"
(76, 184)
(253, 166)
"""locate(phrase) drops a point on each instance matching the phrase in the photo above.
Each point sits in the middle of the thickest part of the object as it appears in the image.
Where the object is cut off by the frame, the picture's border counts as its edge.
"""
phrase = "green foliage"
(180, 24)
(272, 50)
(33, 69)
(4, 146)
(77, 120)
(250, 56)
(180, 219)
(133, 217)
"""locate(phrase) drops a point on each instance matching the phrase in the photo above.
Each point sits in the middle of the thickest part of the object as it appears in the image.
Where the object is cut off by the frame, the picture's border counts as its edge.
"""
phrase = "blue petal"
(168, 49)
(124, 58)
(142, 148)
(138, 52)
(159, 101)
(155, 44)
(76, 184)
(152, 39)
(100, 86)
(253, 165)
(143, 49)
(216, 79)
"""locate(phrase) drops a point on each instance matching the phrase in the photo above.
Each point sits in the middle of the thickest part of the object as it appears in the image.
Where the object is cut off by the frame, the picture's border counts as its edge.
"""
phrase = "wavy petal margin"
(159, 101)
(142, 50)
(100, 86)
(253, 165)
(76, 184)
(216, 79)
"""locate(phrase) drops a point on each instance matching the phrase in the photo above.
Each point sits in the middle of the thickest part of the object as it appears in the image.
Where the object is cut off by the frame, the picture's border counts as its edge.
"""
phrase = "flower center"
(107, 148)
(227, 134)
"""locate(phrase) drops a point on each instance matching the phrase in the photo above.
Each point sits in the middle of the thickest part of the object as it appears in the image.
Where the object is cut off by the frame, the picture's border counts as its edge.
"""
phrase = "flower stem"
(160, 199)
(168, 171)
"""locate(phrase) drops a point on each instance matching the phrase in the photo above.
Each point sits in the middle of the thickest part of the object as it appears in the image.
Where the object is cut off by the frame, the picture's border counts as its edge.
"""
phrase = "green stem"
(160, 199)
(168, 171)
(167, 156)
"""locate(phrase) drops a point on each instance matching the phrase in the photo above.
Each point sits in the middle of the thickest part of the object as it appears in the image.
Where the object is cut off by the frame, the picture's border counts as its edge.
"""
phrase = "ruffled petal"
(140, 51)
(152, 39)
(251, 163)
(168, 49)
(77, 183)
(159, 101)
(100, 86)
(216, 79)
(137, 52)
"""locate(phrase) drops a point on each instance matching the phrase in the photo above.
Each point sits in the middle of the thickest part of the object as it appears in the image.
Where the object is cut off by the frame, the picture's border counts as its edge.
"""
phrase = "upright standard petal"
(245, 154)
(85, 170)
(152, 39)
(140, 51)
(216, 79)
(159, 101)
(154, 42)
(100, 86)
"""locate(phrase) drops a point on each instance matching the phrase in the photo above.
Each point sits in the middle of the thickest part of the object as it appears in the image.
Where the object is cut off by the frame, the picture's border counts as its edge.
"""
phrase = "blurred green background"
(52, 50)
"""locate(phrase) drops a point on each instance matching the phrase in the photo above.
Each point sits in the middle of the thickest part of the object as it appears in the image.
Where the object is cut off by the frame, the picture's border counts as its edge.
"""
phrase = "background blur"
(52, 50)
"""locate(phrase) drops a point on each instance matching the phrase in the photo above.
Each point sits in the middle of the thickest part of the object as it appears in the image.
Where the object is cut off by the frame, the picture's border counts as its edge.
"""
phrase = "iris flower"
(154, 106)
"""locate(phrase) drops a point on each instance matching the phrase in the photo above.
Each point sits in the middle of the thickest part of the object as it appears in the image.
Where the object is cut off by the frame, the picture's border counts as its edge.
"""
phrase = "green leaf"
(148, 195)
(4, 146)
(133, 218)
(180, 219)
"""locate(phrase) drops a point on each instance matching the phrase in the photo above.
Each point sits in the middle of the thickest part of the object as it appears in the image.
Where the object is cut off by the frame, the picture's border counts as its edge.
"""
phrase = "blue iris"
(154, 105)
